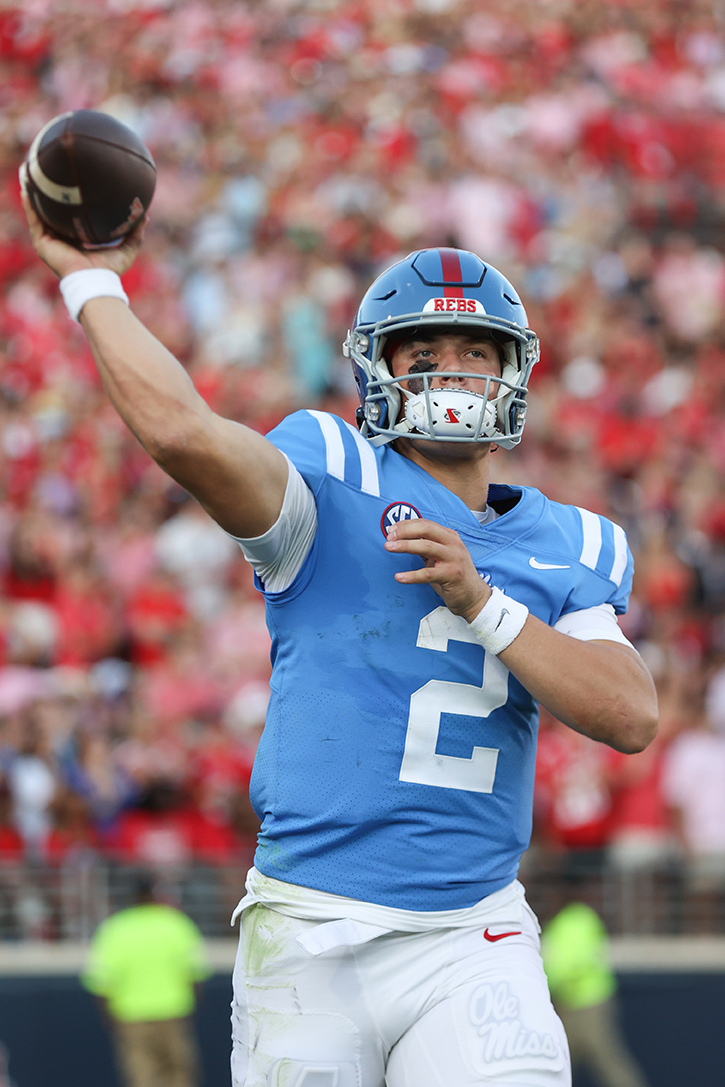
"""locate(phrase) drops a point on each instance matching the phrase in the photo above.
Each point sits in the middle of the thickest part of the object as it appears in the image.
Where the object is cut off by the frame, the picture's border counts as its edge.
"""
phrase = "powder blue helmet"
(455, 290)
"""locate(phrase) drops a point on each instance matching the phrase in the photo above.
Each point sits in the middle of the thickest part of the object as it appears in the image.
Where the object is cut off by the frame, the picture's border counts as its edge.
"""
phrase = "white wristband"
(80, 287)
(499, 621)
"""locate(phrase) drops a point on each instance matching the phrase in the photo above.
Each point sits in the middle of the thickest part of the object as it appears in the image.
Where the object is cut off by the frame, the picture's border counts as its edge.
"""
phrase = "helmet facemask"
(442, 414)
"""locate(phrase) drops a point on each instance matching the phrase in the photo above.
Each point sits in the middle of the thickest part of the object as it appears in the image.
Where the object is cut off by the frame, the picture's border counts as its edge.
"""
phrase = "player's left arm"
(600, 688)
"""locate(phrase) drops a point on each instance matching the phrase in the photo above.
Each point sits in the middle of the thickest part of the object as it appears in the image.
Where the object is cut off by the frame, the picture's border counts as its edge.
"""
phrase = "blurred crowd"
(302, 147)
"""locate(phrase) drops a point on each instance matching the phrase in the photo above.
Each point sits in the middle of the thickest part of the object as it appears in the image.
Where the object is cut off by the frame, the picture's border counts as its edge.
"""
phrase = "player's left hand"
(448, 567)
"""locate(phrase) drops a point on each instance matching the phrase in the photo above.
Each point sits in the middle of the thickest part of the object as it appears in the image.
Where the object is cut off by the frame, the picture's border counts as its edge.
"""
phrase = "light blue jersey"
(397, 762)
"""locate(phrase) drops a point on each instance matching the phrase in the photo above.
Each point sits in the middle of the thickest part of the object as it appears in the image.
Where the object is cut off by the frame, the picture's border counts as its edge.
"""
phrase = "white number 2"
(421, 763)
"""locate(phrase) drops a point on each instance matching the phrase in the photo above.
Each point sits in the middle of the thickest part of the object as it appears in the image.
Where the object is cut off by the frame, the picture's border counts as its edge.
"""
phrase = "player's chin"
(451, 451)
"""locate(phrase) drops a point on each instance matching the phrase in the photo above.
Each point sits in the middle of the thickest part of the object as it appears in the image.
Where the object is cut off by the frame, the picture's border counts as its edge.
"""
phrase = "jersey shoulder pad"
(599, 548)
(323, 446)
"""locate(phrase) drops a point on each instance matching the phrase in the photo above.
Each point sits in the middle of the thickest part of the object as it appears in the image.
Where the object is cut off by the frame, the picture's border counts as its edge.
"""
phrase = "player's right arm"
(236, 474)
(598, 687)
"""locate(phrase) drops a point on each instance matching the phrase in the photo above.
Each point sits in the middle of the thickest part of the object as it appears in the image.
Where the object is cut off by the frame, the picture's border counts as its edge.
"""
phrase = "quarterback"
(418, 617)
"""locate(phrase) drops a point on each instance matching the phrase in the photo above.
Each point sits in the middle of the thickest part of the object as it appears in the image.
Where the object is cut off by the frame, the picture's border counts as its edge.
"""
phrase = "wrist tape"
(498, 622)
(80, 287)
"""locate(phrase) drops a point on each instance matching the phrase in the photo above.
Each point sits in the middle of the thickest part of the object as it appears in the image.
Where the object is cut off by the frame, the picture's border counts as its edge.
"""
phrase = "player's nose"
(449, 368)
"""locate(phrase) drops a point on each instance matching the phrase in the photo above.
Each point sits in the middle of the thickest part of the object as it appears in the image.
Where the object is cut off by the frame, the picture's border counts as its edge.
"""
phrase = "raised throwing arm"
(236, 474)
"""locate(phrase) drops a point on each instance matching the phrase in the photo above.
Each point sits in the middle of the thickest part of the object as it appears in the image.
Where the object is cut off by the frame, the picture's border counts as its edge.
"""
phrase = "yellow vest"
(574, 947)
(145, 961)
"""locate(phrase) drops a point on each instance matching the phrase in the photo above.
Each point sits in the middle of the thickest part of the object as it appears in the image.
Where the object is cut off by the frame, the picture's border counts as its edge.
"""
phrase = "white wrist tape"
(498, 622)
(80, 287)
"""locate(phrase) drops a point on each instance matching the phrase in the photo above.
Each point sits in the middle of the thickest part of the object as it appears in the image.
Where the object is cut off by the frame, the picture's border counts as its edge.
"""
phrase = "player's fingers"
(134, 240)
(441, 574)
(406, 536)
(449, 573)
(122, 256)
(410, 530)
(36, 227)
(428, 549)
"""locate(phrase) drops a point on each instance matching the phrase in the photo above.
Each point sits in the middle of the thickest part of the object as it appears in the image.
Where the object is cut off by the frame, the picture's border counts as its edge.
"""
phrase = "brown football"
(89, 177)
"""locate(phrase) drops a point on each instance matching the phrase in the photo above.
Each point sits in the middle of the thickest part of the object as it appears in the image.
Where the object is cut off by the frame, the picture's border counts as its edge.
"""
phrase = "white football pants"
(447, 1008)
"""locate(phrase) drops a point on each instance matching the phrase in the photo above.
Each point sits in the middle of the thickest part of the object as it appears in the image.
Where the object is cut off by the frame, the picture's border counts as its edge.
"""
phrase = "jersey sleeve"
(318, 446)
(591, 624)
(277, 556)
(601, 561)
(301, 437)
(605, 551)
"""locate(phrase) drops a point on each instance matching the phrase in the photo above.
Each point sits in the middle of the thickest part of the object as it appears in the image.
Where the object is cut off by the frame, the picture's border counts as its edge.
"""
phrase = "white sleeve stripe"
(620, 555)
(368, 464)
(590, 624)
(333, 443)
(592, 545)
(594, 635)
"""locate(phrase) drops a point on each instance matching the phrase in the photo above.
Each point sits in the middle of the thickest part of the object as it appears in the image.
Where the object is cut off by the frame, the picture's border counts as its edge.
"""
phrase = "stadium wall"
(672, 1004)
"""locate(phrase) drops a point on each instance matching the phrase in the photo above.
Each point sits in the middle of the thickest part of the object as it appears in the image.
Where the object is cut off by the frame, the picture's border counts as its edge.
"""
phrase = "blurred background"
(302, 147)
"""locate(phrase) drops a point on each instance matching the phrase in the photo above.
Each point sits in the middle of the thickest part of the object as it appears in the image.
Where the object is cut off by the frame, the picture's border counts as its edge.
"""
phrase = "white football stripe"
(60, 193)
(592, 545)
(620, 555)
(368, 464)
(63, 194)
(333, 443)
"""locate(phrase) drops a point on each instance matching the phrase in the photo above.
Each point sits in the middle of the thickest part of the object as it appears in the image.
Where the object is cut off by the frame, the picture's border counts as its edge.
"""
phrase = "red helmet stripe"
(451, 268)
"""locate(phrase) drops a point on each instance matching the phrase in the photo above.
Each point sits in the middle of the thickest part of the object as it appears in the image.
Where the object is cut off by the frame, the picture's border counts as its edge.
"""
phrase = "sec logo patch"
(398, 511)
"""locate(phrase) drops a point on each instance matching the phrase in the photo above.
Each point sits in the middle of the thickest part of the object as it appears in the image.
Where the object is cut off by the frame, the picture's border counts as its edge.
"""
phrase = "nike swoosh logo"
(500, 619)
(500, 936)
(546, 565)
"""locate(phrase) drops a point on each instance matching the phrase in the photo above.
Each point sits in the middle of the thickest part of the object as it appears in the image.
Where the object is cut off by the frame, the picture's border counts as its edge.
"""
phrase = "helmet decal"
(450, 304)
(445, 268)
(398, 511)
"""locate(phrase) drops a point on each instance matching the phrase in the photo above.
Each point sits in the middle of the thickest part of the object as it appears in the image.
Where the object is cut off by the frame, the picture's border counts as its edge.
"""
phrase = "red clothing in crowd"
(174, 839)
(11, 845)
(155, 612)
(573, 796)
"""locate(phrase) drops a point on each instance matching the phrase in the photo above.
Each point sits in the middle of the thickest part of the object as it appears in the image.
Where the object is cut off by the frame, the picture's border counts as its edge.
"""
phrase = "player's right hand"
(447, 565)
(63, 258)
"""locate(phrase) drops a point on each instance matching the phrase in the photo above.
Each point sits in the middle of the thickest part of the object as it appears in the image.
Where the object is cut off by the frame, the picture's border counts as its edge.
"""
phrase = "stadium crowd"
(579, 145)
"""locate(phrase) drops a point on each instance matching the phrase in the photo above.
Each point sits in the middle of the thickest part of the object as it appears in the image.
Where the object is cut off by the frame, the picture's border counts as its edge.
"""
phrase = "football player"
(418, 616)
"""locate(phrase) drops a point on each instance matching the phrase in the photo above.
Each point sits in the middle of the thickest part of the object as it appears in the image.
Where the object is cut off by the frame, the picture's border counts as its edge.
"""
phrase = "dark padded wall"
(55, 1036)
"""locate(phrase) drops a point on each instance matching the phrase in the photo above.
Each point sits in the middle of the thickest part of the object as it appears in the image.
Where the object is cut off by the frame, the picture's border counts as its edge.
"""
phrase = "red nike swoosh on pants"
(501, 936)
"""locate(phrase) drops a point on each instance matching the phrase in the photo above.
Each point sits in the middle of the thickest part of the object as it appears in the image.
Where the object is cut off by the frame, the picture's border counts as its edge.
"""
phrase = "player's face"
(447, 355)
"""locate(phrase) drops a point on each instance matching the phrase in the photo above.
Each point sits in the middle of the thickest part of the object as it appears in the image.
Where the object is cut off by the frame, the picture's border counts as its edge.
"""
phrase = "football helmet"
(455, 290)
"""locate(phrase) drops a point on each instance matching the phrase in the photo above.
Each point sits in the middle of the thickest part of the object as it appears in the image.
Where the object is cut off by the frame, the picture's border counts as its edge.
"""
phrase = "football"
(89, 178)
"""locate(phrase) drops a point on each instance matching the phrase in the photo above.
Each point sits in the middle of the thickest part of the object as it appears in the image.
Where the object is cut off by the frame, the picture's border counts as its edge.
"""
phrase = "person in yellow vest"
(146, 965)
(574, 947)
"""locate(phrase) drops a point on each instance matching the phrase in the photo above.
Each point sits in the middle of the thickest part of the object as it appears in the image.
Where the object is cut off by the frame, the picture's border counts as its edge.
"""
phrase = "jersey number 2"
(421, 763)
